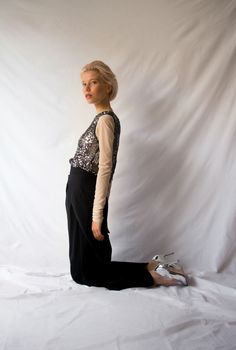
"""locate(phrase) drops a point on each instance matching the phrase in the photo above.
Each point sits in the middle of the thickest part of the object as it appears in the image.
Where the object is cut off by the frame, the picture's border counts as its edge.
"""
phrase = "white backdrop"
(174, 188)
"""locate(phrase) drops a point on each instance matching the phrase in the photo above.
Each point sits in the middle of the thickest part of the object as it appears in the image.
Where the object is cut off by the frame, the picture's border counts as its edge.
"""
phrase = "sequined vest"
(87, 153)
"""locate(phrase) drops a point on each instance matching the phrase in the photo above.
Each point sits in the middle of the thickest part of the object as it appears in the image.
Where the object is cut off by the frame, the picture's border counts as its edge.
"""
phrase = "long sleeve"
(105, 134)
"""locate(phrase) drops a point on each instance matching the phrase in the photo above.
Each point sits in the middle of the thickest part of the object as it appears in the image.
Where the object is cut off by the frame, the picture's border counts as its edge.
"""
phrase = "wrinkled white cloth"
(47, 311)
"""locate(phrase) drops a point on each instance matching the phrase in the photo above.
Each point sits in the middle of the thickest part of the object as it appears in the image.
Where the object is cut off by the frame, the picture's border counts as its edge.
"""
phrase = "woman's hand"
(96, 229)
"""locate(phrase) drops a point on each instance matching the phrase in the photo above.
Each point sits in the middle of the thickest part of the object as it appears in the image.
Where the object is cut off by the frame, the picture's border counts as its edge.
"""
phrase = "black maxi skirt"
(90, 259)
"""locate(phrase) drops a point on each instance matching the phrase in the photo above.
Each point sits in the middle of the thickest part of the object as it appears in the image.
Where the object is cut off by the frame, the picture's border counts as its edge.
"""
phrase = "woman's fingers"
(97, 231)
(98, 235)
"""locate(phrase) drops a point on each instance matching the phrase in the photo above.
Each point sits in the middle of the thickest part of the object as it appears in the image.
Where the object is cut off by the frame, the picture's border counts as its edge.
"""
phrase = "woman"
(87, 193)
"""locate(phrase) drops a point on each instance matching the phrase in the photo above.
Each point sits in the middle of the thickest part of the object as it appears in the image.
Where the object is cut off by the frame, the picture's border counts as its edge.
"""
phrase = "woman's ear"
(108, 88)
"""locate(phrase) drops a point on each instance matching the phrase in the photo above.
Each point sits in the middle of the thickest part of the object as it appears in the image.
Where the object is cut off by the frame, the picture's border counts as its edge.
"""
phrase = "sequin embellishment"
(87, 153)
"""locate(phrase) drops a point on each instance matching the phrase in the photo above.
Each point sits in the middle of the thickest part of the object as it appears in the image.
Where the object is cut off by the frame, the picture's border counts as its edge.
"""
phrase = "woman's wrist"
(98, 220)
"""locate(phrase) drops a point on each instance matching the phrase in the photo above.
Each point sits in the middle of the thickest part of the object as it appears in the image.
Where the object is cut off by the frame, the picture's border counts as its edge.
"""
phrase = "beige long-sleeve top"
(105, 134)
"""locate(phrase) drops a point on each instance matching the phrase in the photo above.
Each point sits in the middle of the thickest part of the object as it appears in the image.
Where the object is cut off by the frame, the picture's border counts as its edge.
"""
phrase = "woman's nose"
(87, 87)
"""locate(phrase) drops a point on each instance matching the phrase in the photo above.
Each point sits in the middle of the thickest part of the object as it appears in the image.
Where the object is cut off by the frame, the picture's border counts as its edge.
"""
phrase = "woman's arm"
(105, 134)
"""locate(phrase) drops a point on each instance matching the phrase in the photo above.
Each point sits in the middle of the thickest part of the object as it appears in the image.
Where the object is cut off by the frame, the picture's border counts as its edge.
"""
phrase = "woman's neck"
(103, 107)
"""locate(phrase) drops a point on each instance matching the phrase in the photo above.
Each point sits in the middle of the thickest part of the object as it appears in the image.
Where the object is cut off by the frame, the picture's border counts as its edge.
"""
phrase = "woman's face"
(94, 89)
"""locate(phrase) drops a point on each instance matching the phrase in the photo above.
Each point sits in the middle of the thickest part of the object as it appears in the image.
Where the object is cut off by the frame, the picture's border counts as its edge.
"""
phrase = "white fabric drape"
(174, 188)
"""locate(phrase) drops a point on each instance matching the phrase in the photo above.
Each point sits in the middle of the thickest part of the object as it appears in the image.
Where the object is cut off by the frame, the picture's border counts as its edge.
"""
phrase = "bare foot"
(152, 265)
(176, 270)
(169, 279)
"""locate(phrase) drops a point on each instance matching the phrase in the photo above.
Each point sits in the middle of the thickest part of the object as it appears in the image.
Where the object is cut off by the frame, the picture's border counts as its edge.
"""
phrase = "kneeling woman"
(87, 193)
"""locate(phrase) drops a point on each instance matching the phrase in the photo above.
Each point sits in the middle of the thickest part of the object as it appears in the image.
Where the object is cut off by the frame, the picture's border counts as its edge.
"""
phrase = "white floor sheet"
(41, 311)
(174, 188)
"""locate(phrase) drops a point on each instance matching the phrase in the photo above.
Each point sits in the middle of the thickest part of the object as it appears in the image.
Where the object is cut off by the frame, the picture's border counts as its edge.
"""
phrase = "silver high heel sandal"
(170, 269)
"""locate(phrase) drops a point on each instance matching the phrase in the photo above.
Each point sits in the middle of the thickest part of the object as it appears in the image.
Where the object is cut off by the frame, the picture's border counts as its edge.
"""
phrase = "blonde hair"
(106, 75)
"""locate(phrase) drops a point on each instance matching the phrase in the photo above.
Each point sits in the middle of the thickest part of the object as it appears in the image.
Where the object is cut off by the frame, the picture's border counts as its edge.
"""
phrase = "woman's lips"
(88, 96)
